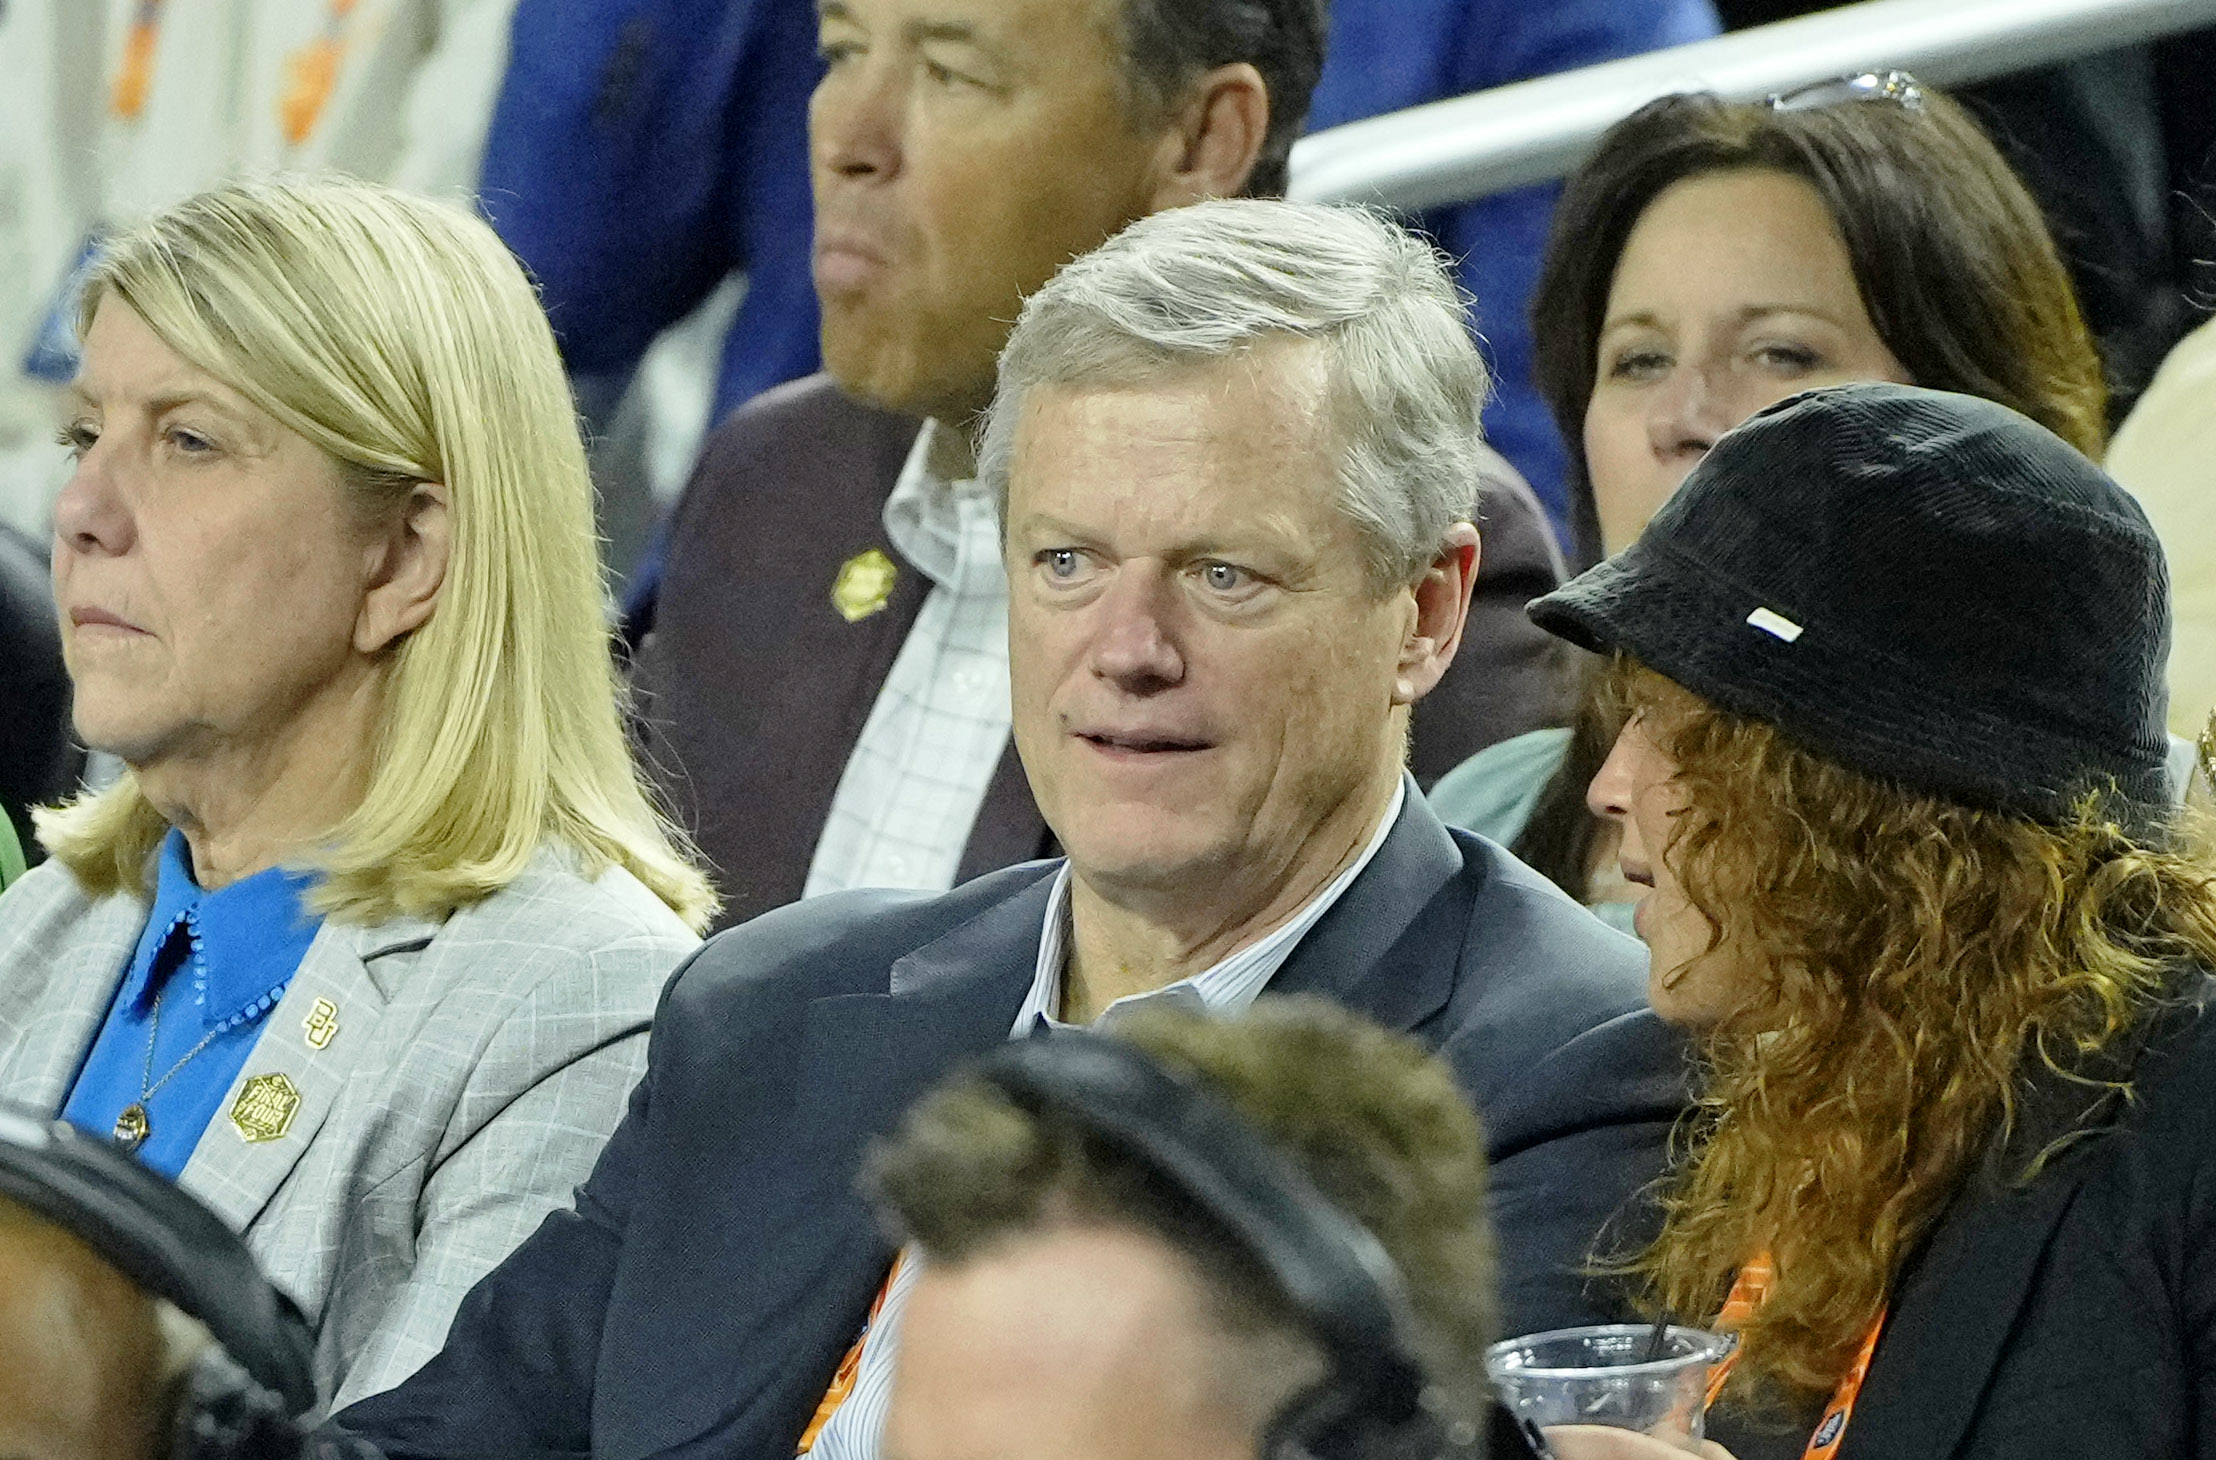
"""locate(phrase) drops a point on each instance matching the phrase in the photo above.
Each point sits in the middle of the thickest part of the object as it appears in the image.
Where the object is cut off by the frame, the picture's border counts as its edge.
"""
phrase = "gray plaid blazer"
(476, 1068)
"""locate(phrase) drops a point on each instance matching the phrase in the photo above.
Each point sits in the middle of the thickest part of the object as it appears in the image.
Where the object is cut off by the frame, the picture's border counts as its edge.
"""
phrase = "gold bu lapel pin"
(322, 1024)
(265, 1108)
(864, 585)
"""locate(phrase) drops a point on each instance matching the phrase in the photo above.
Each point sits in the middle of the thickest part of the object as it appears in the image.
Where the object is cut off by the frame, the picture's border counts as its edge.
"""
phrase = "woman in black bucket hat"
(1894, 776)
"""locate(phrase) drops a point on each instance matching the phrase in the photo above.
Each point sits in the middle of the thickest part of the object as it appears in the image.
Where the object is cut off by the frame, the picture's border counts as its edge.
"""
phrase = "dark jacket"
(2074, 1315)
(38, 760)
(754, 689)
(720, 1261)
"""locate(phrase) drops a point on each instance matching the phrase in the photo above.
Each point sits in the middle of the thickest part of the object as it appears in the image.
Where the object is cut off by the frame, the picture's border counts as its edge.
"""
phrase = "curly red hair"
(1922, 964)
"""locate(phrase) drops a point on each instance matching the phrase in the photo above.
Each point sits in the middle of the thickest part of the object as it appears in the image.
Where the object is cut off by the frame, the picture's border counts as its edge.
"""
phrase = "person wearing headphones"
(1192, 1236)
(134, 1325)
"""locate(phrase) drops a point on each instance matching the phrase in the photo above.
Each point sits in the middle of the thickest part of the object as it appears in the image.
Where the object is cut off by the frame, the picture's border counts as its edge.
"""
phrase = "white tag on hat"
(1769, 621)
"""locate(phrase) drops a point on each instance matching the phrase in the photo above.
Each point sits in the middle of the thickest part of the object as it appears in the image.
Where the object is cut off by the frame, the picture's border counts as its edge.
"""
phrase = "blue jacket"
(720, 1260)
(642, 149)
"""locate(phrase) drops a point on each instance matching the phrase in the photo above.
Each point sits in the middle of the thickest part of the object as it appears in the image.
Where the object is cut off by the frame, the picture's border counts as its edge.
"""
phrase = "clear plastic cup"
(1599, 1375)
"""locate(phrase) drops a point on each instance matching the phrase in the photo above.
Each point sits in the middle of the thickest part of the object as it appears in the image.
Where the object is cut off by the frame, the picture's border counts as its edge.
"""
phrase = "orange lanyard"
(1748, 1290)
(311, 72)
(850, 1367)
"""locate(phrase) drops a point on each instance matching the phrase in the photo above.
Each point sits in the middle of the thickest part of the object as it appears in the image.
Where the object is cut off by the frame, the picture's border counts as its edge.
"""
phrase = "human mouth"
(99, 620)
(845, 260)
(1140, 744)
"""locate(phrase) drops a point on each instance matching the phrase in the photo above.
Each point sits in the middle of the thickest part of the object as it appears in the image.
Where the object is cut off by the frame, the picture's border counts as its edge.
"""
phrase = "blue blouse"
(218, 962)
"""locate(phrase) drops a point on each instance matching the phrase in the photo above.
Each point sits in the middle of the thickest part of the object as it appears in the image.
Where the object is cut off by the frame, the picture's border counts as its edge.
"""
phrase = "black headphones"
(241, 1404)
(1331, 1268)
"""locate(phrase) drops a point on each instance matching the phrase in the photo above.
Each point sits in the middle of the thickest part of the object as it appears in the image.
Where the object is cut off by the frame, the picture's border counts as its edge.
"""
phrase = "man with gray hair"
(1237, 455)
(823, 694)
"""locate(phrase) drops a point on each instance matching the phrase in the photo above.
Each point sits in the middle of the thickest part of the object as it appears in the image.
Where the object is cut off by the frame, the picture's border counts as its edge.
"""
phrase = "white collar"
(1225, 988)
(935, 500)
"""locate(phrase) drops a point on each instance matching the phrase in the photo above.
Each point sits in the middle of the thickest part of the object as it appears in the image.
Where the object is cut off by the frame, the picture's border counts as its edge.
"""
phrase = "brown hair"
(1951, 255)
(1376, 1122)
(1169, 43)
(1923, 986)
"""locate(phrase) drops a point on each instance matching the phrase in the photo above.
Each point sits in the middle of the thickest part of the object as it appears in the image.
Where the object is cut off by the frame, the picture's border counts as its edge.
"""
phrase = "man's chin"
(1148, 866)
(894, 371)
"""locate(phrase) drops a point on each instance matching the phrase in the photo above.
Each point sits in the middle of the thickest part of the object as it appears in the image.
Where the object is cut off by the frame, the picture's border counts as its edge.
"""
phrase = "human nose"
(854, 120)
(1685, 416)
(1134, 645)
(1608, 794)
(91, 516)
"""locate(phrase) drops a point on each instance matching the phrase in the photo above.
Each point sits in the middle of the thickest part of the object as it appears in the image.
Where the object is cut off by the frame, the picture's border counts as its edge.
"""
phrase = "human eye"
(1228, 582)
(1063, 566)
(953, 63)
(835, 52)
(1637, 362)
(1787, 357)
(79, 437)
(186, 441)
(944, 74)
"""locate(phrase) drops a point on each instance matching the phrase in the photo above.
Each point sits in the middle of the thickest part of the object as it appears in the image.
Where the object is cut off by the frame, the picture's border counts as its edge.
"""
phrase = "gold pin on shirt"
(322, 1024)
(864, 585)
(265, 1108)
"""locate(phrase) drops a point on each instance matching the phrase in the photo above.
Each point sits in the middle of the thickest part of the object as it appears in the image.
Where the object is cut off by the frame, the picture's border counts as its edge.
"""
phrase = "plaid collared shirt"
(917, 777)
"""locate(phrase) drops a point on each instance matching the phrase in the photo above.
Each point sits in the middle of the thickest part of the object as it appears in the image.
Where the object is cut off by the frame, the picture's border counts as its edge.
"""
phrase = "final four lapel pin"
(864, 585)
(265, 1108)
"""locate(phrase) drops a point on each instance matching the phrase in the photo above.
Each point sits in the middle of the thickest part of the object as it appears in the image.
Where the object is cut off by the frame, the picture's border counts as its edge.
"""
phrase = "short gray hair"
(1212, 280)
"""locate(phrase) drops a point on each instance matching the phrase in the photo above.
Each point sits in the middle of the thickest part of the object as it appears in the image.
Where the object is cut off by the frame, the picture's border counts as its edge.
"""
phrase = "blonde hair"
(399, 336)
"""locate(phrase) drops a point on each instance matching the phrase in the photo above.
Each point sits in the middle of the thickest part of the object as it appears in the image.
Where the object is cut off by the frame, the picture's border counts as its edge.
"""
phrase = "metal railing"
(1472, 146)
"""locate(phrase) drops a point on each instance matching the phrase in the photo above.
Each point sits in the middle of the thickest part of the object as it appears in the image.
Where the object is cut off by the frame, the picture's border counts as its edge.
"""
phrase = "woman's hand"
(1600, 1442)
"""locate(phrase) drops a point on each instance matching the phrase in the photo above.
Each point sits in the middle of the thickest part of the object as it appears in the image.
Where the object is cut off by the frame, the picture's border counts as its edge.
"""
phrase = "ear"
(407, 570)
(1214, 135)
(1442, 604)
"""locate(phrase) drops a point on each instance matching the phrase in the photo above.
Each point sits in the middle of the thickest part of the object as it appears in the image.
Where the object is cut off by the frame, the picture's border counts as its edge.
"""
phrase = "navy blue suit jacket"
(720, 1261)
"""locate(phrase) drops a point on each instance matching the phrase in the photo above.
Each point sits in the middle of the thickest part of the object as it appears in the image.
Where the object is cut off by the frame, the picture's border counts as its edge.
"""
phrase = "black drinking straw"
(1655, 1337)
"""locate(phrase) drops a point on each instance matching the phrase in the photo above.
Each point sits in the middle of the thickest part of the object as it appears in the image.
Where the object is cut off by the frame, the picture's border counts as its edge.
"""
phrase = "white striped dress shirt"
(857, 1430)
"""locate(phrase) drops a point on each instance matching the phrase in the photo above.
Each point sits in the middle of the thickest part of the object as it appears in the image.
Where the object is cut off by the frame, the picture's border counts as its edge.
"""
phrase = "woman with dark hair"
(1711, 258)
(1893, 781)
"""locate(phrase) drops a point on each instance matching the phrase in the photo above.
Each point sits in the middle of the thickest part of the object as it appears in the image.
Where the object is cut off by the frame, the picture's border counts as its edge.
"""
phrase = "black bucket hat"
(1922, 586)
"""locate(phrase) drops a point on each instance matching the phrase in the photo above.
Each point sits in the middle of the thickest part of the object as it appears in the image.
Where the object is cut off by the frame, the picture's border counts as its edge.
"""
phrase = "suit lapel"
(861, 1060)
(308, 1046)
(1376, 950)
(50, 1023)
(1960, 1299)
(1956, 1309)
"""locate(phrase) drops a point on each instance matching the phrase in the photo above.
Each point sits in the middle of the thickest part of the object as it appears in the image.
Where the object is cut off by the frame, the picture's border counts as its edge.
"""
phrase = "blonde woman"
(364, 945)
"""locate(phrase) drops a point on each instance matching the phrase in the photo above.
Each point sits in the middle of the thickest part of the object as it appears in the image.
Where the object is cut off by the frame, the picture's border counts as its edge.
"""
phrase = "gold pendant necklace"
(133, 1126)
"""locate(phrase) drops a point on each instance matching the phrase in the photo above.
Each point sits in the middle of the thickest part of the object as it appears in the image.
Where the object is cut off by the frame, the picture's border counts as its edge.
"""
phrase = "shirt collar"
(246, 938)
(1227, 987)
(934, 498)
